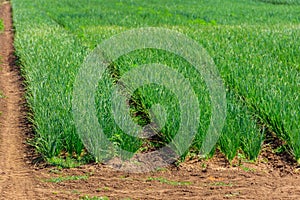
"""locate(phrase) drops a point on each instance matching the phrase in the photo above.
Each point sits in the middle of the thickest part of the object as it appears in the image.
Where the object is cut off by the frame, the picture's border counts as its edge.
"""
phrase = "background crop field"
(255, 45)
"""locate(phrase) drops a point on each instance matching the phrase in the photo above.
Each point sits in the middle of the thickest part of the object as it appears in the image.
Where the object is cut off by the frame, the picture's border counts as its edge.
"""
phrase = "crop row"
(258, 63)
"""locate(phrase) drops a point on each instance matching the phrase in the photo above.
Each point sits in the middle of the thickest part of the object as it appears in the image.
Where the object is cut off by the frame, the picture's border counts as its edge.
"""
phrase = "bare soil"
(273, 176)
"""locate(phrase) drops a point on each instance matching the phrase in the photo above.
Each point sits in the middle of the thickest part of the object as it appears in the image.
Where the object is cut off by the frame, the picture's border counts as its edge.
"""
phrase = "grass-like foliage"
(1, 94)
(1, 25)
(66, 178)
(278, 2)
(86, 197)
(169, 182)
(255, 46)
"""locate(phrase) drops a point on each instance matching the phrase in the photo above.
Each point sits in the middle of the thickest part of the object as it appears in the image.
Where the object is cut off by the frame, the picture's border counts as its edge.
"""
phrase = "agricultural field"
(253, 44)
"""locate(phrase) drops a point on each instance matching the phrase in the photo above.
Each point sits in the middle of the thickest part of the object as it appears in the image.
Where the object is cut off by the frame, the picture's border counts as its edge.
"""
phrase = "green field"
(254, 44)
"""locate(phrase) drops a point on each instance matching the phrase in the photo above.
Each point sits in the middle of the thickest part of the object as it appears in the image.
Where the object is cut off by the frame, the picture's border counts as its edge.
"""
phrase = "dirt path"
(272, 177)
(16, 180)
